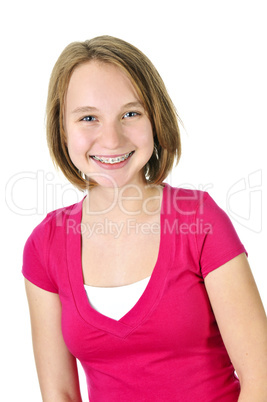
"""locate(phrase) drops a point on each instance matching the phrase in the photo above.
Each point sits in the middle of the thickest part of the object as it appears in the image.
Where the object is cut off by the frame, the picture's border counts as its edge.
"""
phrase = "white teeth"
(113, 160)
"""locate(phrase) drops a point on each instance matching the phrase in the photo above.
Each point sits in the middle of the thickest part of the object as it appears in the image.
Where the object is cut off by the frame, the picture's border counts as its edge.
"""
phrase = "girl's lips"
(111, 162)
(112, 159)
(111, 156)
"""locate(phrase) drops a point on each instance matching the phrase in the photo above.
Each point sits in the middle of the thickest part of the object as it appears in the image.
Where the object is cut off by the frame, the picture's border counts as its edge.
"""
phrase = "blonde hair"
(149, 86)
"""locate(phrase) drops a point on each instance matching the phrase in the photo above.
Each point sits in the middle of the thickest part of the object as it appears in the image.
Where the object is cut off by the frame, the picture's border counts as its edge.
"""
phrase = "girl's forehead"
(98, 82)
(95, 70)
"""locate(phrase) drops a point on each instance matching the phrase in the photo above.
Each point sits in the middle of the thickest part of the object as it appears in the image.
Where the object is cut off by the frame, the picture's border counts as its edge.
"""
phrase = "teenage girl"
(146, 284)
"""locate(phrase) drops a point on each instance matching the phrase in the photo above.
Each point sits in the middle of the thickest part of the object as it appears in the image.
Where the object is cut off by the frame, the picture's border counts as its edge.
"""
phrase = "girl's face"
(108, 133)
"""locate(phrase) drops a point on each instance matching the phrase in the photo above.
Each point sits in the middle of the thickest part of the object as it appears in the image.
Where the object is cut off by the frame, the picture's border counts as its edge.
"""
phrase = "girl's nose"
(111, 135)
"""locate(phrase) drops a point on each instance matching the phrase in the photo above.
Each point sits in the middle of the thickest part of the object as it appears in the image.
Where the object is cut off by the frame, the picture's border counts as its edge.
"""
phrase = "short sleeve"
(217, 241)
(35, 267)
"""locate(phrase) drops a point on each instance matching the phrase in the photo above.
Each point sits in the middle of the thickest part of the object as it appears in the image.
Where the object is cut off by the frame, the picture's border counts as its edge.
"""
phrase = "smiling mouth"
(113, 160)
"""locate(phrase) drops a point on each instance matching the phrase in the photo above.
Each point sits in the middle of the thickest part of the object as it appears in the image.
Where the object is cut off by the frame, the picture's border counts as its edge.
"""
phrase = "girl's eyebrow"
(84, 109)
(90, 109)
(133, 104)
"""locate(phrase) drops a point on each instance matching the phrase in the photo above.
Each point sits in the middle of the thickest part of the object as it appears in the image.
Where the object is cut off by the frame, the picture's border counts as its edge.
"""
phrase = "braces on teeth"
(113, 160)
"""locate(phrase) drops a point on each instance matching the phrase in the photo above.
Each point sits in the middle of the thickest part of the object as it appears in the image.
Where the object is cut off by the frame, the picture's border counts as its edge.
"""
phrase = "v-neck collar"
(150, 296)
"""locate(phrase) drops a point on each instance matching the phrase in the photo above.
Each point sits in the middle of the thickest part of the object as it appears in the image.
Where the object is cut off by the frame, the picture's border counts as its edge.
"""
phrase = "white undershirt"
(115, 302)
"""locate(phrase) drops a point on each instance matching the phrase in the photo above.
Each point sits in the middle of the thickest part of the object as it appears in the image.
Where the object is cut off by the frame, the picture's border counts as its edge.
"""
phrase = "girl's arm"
(56, 366)
(243, 324)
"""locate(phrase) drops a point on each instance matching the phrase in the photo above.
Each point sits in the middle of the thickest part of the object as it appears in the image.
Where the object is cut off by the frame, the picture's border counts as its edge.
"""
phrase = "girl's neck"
(128, 200)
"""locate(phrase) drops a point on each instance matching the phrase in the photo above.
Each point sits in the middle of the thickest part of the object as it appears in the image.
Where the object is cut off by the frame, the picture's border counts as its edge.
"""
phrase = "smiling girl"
(147, 285)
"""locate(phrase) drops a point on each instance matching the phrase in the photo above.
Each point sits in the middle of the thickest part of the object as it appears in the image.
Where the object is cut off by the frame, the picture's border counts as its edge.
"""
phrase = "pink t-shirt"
(168, 346)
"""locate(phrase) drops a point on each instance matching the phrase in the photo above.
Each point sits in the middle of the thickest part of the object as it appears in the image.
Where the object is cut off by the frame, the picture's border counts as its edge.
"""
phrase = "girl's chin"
(109, 181)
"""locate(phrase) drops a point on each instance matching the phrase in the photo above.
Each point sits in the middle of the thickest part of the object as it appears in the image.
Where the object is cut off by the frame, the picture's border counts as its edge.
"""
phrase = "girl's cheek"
(79, 141)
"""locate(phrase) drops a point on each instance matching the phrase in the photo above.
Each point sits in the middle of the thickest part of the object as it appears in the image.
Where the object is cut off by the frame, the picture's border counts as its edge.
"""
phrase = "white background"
(212, 57)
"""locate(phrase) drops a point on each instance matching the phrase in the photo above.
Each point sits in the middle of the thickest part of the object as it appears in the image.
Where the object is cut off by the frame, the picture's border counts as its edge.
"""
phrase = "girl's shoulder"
(56, 219)
(185, 201)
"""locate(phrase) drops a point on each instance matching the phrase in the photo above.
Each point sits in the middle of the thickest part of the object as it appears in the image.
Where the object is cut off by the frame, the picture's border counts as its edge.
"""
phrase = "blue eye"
(88, 118)
(131, 114)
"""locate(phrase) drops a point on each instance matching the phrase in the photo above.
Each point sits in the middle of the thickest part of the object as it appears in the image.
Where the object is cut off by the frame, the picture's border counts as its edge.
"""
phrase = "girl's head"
(147, 84)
